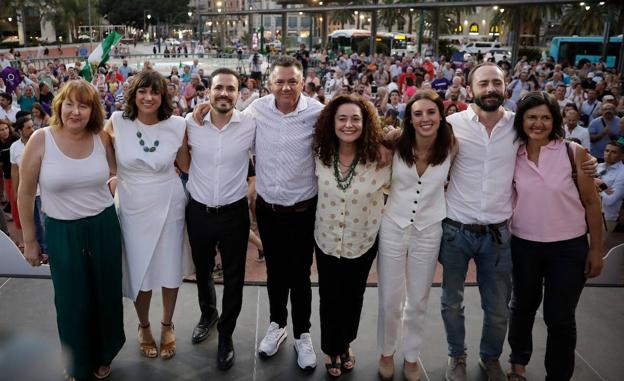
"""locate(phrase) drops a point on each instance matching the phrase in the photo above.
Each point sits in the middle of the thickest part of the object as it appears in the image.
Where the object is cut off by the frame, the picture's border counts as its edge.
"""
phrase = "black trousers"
(228, 230)
(288, 241)
(342, 282)
(559, 267)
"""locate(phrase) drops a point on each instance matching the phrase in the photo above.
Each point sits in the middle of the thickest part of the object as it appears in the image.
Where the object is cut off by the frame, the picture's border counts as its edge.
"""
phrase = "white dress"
(151, 205)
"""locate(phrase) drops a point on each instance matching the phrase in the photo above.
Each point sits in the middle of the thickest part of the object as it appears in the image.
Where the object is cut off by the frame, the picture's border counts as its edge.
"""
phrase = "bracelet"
(110, 180)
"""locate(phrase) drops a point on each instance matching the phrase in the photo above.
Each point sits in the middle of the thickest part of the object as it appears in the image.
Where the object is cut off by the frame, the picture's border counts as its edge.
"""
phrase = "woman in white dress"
(147, 140)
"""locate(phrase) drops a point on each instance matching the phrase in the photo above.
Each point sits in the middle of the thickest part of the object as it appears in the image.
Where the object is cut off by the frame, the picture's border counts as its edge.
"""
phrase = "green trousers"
(85, 263)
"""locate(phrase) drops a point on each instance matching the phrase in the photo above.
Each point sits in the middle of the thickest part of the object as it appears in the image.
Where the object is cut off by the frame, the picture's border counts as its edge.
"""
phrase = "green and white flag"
(100, 55)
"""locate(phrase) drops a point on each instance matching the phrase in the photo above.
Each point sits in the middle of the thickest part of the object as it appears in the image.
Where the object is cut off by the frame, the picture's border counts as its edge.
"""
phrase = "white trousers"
(405, 265)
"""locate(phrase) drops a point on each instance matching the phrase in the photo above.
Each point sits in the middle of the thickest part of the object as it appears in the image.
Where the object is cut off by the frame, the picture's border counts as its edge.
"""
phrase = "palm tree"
(342, 18)
(531, 18)
(67, 14)
(389, 16)
(582, 21)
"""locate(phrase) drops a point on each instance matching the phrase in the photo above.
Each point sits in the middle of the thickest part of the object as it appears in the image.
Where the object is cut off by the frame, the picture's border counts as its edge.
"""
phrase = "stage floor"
(29, 340)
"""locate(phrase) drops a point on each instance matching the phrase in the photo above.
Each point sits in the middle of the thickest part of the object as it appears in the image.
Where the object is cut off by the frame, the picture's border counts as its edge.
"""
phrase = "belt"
(475, 228)
(493, 229)
(301, 206)
(221, 208)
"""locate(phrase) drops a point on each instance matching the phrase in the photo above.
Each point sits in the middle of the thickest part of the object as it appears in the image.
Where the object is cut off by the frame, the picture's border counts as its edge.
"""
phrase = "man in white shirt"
(286, 204)
(25, 128)
(217, 214)
(574, 130)
(519, 85)
(611, 174)
(478, 207)
(8, 111)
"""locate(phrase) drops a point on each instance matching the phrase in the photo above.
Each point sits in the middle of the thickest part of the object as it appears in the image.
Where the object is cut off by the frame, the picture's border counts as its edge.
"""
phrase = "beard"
(222, 109)
(496, 100)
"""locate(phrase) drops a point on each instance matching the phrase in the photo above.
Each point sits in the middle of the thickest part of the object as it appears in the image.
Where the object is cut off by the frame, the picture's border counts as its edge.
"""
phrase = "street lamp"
(149, 16)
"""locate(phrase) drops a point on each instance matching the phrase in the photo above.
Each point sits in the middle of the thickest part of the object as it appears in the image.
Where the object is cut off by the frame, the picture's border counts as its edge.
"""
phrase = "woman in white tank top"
(71, 165)
(147, 140)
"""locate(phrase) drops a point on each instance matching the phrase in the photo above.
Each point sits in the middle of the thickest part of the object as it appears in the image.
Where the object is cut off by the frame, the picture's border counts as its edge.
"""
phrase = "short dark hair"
(616, 144)
(407, 141)
(155, 81)
(19, 123)
(536, 99)
(6, 96)
(200, 87)
(287, 61)
(224, 70)
(482, 64)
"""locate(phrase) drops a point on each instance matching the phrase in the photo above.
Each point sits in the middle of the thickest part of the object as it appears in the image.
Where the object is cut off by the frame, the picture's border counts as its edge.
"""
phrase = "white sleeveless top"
(73, 188)
(417, 200)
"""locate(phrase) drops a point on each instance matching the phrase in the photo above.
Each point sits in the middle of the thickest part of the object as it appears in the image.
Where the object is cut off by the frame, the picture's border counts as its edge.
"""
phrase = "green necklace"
(139, 135)
(345, 182)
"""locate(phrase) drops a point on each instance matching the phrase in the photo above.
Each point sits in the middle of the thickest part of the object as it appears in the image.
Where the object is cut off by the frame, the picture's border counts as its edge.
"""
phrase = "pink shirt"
(547, 206)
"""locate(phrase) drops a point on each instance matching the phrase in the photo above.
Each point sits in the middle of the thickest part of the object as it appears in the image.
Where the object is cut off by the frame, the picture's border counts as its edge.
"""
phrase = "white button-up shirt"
(285, 163)
(613, 176)
(579, 132)
(480, 188)
(220, 159)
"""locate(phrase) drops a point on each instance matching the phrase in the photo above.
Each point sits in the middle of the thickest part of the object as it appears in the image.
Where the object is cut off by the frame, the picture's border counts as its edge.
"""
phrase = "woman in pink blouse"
(348, 215)
(549, 246)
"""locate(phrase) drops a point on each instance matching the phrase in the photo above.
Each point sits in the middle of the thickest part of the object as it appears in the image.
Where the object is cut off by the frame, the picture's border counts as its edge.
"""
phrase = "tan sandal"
(147, 349)
(167, 341)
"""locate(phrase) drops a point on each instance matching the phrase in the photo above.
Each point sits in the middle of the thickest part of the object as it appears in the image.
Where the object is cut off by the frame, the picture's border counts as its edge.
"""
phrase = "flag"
(100, 55)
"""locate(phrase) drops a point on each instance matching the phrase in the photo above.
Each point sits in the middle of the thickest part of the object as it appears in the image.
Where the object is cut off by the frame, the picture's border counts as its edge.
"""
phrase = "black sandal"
(333, 367)
(347, 360)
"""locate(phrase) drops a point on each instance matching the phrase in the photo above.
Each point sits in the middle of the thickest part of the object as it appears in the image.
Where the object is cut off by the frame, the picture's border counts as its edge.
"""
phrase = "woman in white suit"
(411, 229)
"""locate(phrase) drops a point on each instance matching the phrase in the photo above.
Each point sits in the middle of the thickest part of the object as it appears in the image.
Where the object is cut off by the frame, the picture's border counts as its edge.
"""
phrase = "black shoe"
(225, 354)
(201, 330)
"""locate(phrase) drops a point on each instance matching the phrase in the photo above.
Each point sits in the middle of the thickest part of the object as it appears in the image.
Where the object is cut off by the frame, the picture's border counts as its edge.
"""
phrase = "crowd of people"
(131, 182)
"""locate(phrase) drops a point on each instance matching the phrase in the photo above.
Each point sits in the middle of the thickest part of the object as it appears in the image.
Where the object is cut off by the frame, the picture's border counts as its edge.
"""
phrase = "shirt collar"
(234, 119)
(552, 145)
(472, 115)
(614, 167)
(302, 104)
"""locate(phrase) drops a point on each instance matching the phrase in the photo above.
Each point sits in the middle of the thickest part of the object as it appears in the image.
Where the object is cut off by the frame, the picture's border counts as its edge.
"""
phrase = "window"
(474, 29)
(292, 22)
(305, 21)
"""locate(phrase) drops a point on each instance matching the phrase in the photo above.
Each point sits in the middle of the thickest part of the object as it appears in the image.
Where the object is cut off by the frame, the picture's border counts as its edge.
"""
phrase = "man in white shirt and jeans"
(217, 214)
(478, 207)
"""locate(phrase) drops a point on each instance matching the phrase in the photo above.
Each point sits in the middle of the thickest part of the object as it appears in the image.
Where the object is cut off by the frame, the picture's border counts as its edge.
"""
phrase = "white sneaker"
(272, 340)
(306, 358)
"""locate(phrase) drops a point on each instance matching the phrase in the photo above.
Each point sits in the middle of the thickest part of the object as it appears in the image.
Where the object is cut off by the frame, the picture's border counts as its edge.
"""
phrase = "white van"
(479, 46)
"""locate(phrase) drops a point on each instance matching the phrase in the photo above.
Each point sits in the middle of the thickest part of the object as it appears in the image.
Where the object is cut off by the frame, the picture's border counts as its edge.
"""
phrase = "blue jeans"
(493, 261)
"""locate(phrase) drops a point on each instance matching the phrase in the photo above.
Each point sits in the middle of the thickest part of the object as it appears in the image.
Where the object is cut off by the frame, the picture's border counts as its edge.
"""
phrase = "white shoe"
(272, 340)
(306, 358)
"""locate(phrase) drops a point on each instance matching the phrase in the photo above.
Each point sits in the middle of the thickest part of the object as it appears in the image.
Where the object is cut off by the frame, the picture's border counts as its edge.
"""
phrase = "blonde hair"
(83, 92)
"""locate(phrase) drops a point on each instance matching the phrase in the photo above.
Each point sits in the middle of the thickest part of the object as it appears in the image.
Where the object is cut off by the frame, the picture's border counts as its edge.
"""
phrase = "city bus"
(347, 40)
(573, 49)
(398, 43)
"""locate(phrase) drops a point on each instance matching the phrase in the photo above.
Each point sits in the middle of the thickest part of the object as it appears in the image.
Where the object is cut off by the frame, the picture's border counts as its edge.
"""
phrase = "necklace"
(146, 148)
(344, 181)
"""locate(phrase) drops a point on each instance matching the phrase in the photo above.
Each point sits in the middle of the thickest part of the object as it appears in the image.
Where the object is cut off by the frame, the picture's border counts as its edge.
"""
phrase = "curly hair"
(407, 141)
(155, 81)
(325, 144)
